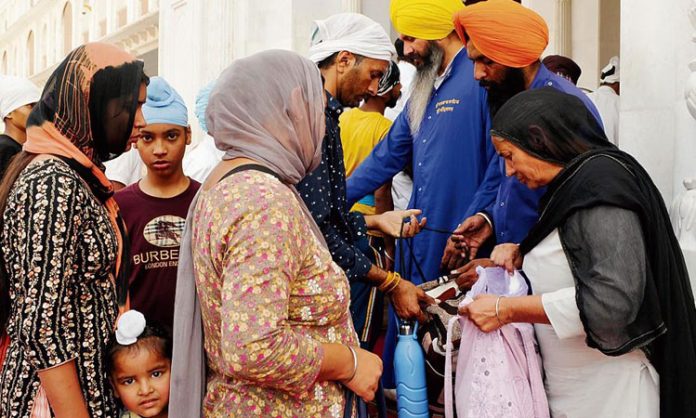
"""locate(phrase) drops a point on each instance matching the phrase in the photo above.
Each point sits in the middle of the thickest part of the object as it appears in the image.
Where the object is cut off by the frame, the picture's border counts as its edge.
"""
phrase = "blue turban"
(164, 104)
(202, 104)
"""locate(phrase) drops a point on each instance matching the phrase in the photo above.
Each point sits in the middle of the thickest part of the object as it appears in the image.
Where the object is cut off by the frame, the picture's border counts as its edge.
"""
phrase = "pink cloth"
(498, 373)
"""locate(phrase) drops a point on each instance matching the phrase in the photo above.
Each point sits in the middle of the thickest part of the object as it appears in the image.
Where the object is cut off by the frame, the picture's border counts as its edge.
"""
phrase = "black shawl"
(556, 127)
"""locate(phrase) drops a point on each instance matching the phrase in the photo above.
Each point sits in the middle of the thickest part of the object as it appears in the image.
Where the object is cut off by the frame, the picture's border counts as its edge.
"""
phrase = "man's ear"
(345, 60)
(187, 131)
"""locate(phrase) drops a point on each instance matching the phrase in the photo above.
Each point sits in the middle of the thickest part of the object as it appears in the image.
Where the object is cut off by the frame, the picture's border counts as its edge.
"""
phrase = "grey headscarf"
(269, 108)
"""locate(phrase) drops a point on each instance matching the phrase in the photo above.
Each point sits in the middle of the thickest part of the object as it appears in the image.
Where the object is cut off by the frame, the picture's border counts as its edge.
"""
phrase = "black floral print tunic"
(59, 250)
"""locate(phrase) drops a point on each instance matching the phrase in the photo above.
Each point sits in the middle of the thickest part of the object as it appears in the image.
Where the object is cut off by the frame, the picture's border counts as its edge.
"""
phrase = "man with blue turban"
(154, 208)
(202, 158)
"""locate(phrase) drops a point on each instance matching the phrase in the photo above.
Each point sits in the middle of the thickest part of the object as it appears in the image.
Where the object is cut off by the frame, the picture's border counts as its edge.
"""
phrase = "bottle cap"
(405, 328)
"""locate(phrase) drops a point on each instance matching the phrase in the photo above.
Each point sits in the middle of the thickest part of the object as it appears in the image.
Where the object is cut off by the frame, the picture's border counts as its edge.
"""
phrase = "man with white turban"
(442, 134)
(17, 97)
(352, 53)
(606, 98)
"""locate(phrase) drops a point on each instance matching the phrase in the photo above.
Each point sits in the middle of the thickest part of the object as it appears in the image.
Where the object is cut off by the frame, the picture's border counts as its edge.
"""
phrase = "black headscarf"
(558, 128)
(88, 105)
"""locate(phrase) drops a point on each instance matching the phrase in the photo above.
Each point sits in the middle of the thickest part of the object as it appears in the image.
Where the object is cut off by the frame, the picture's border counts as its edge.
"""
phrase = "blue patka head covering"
(164, 104)
(202, 104)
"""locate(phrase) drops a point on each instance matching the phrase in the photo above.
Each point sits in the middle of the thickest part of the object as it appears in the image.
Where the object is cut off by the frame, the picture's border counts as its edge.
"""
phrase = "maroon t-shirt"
(155, 226)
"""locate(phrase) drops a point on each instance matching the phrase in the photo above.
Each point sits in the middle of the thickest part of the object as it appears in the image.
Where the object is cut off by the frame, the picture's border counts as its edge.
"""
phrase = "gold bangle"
(397, 281)
(394, 283)
(387, 282)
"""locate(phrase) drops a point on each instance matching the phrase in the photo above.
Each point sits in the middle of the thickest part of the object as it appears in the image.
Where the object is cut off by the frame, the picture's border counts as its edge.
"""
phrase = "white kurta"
(607, 102)
(581, 382)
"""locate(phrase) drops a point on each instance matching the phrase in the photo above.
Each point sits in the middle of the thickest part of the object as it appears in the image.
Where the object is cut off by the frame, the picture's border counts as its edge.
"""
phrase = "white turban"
(350, 32)
(16, 92)
(610, 73)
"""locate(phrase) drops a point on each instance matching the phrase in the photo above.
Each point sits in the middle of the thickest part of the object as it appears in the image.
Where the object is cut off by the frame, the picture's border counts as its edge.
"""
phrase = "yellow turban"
(504, 31)
(424, 19)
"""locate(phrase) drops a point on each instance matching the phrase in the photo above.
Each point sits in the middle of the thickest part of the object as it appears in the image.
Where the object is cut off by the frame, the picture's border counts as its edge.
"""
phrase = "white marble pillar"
(655, 124)
(195, 44)
(198, 39)
(563, 28)
(585, 41)
(354, 6)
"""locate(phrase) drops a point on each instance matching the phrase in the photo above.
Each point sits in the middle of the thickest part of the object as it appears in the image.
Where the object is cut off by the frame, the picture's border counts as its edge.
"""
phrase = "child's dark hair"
(155, 338)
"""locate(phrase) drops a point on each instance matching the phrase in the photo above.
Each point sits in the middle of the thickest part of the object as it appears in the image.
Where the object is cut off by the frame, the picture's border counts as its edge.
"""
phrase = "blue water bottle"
(409, 370)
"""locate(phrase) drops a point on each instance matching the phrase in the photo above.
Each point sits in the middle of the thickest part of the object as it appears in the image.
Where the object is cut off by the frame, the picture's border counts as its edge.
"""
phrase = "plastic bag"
(498, 373)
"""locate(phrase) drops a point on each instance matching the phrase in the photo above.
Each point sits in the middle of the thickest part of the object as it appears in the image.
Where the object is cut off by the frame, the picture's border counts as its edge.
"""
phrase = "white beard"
(422, 89)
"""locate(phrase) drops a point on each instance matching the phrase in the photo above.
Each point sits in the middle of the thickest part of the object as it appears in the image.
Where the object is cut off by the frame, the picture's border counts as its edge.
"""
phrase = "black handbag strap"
(245, 167)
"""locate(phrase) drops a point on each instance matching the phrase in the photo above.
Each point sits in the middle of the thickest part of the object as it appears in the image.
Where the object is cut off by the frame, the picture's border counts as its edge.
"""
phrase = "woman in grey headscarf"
(278, 336)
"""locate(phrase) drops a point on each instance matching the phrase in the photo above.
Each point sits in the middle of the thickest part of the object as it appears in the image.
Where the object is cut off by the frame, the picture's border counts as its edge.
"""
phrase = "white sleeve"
(200, 161)
(127, 168)
(563, 313)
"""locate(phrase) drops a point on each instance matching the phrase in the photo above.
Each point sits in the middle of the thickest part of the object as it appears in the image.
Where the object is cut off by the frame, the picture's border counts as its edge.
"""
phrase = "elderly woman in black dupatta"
(612, 305)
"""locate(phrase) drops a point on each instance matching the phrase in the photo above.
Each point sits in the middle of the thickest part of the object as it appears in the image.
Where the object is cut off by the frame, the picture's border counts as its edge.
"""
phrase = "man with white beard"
(442, 133)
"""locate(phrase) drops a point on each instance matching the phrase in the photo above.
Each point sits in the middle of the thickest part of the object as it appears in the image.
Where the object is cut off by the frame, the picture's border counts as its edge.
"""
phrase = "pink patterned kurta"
(270, 295)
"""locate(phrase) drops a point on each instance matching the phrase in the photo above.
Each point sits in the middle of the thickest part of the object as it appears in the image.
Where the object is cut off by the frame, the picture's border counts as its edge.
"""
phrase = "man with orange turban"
(442, 134)
(505, 41)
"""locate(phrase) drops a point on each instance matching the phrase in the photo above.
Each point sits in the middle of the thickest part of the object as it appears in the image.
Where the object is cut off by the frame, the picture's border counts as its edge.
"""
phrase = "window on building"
(30, 54)
(102, 28)
(43, 46)
(122, 17)
(144, 7)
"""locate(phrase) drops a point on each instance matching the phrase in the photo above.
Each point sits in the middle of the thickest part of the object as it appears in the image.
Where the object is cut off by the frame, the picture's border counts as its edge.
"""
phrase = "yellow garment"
(504, 31)
(424, 19)
(361, 131)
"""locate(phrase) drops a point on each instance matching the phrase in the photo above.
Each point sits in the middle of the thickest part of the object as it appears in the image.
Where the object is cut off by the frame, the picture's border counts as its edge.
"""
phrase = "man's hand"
(507, 256)
(391, 222)
(467, 276)
(407, 299)
(471, 234)
(452, 257)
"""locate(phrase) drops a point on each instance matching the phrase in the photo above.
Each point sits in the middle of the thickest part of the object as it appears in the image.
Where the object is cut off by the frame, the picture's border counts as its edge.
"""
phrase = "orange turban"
(504, 31)
(424, 19)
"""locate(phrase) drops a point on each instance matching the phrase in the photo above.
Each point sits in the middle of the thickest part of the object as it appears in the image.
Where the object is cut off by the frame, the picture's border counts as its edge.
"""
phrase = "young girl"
(139, 367)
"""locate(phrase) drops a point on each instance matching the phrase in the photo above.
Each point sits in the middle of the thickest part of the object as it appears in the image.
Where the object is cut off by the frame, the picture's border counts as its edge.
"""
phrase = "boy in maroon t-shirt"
(155, 208)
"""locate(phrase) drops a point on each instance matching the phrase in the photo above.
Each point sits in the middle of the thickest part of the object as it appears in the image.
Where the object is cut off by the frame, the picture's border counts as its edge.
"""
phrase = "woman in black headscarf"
(63, 246)
(612, 306)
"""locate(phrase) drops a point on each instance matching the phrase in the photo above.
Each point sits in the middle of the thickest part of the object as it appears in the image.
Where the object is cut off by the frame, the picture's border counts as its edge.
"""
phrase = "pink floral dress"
(270, 296)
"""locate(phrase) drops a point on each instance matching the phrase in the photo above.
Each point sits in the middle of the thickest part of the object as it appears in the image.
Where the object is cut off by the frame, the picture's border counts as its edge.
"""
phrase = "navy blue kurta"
(515, 209)
(324, 192)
